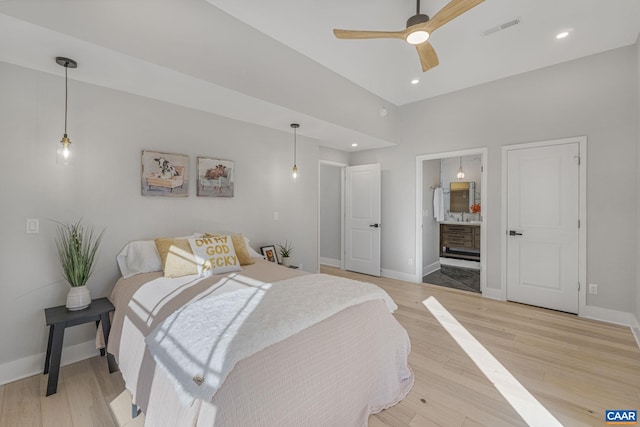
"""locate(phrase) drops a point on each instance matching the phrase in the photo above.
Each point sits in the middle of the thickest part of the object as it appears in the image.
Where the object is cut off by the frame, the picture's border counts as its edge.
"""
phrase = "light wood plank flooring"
(576, 368)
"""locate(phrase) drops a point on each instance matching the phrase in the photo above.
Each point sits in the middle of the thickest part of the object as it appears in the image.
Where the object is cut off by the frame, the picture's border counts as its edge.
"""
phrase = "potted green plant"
(77, 246)
(285, 253)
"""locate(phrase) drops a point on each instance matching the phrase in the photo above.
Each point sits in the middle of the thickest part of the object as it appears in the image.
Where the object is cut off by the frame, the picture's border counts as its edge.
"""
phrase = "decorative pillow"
(214, 255)
(240, 245)
(141, 256)
(177, 257)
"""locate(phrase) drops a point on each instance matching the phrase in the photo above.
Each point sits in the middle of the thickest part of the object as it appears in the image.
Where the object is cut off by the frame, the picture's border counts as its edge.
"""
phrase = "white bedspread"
(199, 345)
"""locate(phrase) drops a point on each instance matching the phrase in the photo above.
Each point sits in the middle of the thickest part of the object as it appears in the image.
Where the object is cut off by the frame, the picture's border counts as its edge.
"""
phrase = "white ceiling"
(213, 55)
(467, 57)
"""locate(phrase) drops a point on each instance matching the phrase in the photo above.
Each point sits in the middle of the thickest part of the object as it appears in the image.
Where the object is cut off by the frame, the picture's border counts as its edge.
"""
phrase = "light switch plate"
(33, 225)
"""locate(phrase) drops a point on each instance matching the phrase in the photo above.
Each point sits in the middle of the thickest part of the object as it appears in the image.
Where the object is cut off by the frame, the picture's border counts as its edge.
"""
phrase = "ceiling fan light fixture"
(417, 37)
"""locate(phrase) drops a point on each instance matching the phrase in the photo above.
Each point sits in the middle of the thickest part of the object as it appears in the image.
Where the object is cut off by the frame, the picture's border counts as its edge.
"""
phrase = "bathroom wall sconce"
(64, 155)
(460, 174)
(294, 170)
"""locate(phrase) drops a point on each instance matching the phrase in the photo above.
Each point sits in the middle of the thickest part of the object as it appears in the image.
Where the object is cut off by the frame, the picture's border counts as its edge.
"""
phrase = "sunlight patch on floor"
(531, 411)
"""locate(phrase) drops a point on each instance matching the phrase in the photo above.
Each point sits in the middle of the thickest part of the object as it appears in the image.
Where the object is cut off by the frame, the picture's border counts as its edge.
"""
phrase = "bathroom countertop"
(461, 222)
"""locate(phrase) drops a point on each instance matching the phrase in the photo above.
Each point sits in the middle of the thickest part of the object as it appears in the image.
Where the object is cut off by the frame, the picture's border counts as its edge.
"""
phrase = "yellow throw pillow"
(214, 255)
(240, 247)
(177, 257)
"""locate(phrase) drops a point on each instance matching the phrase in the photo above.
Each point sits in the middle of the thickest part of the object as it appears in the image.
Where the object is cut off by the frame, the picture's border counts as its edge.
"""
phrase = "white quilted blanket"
(199, 344)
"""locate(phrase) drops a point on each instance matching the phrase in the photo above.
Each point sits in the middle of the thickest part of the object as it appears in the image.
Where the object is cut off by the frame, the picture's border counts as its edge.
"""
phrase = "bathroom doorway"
(458, 260)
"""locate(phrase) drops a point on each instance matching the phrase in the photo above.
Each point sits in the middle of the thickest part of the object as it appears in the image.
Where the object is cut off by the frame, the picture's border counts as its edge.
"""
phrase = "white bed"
(334, 373)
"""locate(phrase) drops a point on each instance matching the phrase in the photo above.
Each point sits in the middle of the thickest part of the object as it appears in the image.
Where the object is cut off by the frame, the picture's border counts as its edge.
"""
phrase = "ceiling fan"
(419, 28)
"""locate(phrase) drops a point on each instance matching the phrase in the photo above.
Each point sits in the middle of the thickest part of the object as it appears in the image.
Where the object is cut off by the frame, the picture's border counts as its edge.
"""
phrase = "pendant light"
(294, 170)
(64, 151)
(460, 174)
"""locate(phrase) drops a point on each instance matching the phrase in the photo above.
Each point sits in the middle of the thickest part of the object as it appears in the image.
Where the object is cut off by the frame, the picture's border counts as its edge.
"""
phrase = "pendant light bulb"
(64, 152)
(294, 170)
(65, 146)
(460, 174)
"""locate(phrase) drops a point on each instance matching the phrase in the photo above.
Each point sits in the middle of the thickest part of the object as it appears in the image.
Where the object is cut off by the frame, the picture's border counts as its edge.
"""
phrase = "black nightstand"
(58, 319)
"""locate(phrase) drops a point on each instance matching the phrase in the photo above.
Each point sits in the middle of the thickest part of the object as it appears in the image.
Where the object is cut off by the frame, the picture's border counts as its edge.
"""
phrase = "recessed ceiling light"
(562, 35)
(415, 81)
(355, 144)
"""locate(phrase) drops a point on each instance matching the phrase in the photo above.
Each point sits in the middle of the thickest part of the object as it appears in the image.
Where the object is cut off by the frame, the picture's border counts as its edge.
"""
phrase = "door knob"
(514, 233)
(374, 225)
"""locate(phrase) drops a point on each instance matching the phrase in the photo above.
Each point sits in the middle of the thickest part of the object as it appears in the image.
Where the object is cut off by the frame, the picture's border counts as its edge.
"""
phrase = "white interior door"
(542, 226)
(362, 225)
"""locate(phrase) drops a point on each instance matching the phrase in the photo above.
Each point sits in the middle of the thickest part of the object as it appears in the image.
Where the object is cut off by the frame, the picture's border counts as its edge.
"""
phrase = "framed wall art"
(215, 177)
(165, 174)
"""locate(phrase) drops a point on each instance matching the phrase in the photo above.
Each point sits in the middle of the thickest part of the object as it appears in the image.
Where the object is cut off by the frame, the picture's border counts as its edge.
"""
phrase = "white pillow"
(140, 256)
(252, 252)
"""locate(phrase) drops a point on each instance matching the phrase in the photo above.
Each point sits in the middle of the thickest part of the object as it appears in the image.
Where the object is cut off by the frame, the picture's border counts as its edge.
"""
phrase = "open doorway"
(331, 213)
(451, 242)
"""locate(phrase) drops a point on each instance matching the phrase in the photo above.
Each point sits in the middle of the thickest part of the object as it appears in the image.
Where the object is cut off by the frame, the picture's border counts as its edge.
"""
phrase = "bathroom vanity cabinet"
(460, 240)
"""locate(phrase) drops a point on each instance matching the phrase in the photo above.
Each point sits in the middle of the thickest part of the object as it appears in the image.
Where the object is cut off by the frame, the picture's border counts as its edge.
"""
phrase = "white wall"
(430, 227)
(109, 129)
(332, 155)
(593, 96)
(330, 209)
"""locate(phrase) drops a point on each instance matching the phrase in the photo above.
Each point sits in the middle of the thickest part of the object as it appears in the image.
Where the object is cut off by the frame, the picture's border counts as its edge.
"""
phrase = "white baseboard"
(492, 293)
(399, 275)
(612, 316)
(330, 262)
(430, 268)
(635, 330)
(32, 365)
(636, 335)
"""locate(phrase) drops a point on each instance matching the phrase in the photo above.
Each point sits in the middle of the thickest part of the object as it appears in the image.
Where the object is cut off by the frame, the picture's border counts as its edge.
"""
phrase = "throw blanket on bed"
(199, 344)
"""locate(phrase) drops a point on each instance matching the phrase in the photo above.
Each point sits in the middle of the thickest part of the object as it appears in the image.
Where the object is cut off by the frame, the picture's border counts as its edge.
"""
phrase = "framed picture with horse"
(165, 174)
(215, 177)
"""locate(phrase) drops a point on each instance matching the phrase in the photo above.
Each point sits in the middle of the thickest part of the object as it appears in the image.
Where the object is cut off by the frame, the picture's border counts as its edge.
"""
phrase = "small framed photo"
(269, 253)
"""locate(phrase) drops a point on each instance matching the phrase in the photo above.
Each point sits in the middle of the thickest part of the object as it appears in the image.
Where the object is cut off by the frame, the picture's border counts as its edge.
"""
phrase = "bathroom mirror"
(462, 196)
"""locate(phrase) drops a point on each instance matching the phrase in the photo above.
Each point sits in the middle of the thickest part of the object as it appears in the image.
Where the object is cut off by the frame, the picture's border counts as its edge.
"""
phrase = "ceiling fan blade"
(351, 34)
(451, 11)
(428, 56)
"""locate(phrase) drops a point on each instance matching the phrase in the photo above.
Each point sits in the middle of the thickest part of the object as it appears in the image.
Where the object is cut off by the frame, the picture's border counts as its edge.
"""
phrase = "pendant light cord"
(295, 144)
(66, 95)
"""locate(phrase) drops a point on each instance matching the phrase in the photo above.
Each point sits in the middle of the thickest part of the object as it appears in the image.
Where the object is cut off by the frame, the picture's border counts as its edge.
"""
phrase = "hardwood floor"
(576, 368)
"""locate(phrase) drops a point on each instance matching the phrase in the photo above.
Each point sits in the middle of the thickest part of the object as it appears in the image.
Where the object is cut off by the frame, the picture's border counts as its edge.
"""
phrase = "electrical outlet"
(275, 215)
(593, 289)
(410, 261)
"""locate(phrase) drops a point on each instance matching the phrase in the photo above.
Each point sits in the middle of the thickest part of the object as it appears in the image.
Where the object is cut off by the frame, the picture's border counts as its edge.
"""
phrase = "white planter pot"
(78, 298)
(286, 261)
